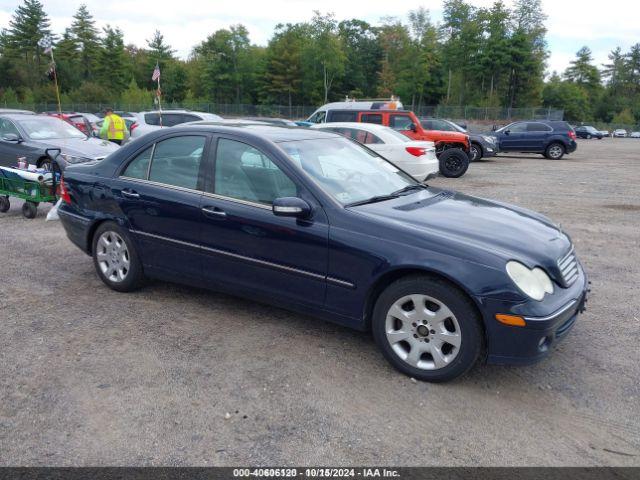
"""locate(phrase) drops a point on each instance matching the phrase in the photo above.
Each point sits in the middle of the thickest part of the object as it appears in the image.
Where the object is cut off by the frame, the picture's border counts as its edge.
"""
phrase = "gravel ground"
(172, 375)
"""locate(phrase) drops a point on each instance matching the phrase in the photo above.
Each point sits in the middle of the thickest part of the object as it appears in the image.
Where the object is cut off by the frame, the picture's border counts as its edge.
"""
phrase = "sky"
(185, 23)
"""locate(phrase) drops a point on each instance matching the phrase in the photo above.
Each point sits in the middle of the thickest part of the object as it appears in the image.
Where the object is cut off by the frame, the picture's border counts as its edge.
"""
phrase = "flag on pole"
(47, 44)
(156, 73)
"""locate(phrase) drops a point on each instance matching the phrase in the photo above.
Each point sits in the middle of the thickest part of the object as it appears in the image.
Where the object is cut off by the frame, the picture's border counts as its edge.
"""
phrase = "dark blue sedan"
(317, 223)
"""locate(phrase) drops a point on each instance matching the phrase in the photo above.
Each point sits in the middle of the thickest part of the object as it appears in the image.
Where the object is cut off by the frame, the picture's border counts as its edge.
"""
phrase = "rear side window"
(400, 122)
(176, 161)
(372, 118)
(343, 116)
(152, 119)
(139, 166)
(172, 119)
(538, 127)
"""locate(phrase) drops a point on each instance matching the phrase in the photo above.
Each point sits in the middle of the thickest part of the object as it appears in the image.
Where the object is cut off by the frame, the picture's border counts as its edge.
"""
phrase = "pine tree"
(85, 34)
(27, 27)
(112, 61)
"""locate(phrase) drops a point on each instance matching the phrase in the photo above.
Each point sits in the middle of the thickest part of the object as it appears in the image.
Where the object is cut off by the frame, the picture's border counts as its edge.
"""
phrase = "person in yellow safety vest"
(113, 128)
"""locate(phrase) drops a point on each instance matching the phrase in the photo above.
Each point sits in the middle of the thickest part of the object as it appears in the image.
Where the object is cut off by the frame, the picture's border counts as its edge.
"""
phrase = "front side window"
(171, 119)
(345, 170)
(152, 119)
(516, 128)
(245, 173)
(401, 122)
(176, 161)
(7, 127)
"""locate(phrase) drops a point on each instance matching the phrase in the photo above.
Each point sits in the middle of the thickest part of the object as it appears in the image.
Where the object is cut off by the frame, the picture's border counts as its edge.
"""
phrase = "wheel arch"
(91, 231)
(396, 274)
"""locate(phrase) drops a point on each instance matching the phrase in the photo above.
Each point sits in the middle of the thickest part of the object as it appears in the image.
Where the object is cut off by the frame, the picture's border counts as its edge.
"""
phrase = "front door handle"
(130, 193)
(214, 211)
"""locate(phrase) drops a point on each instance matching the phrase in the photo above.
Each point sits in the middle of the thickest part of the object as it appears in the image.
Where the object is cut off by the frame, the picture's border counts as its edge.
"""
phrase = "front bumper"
(516, 345)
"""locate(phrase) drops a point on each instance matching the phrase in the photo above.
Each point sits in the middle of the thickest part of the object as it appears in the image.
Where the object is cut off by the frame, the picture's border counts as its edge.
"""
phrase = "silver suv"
(146, 122)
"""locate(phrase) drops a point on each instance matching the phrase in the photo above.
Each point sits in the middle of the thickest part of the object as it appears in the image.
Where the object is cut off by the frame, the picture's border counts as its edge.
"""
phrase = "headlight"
(533, 282)
(74, 158)
(489, 139)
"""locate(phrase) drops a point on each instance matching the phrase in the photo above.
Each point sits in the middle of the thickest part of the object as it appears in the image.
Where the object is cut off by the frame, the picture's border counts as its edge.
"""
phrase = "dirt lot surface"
(170, 375)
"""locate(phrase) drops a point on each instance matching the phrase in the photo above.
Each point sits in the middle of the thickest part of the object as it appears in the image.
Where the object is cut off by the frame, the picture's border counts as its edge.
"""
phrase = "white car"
(417, 158)
(620, 133)
(634, 135)
(146, 122)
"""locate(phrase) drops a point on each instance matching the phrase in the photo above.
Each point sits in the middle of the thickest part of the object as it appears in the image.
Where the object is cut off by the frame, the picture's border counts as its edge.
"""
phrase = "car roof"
(360, 125)
(19, 116)
(274, 133)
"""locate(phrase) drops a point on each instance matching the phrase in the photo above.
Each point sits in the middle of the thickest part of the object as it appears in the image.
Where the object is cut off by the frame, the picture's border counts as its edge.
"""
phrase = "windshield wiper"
(409, 188)
(377, 198)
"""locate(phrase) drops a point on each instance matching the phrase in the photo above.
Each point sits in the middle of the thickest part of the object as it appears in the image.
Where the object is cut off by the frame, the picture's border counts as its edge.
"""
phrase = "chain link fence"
(297, 112)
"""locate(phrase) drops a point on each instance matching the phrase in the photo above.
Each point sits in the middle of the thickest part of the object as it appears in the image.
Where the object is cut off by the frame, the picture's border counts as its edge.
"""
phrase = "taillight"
(134, 125)
(572, 135)
(63, 193)
(416, 151)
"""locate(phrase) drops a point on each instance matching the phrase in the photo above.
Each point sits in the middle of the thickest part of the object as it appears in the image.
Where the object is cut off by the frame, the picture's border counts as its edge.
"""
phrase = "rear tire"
(435, 339)
(554, 151)
(29, 210)
(588, 136)
(454, 162)
(475, 152)
(116, 259)
(5, 204)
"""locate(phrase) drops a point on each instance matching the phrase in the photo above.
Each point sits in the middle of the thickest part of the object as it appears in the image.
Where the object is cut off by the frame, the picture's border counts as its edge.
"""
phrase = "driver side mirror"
(291, 207)
(507, 132)
(12, 137)
(413, 127)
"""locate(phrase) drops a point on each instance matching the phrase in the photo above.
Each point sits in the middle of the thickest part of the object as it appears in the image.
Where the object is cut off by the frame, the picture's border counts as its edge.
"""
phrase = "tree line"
(485, 57)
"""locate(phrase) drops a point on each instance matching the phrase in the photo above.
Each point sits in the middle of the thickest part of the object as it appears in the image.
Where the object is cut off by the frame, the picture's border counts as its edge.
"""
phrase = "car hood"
(495, 229)
(82, 147)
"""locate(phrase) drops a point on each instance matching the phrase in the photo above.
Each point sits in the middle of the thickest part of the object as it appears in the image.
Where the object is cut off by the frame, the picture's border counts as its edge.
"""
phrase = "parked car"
(316, 223)
(93, 120)
(553, 139)
(587, 131)
(619, 133)
(452, 148)
(26, 135)
(480, 145)
(417, 158)
(146, 122)
(634, 135)
(76, 119)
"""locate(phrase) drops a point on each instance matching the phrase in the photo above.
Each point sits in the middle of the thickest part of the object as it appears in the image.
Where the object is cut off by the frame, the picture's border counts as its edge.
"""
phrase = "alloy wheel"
(423, 332)
(555, 151)
(113, 257)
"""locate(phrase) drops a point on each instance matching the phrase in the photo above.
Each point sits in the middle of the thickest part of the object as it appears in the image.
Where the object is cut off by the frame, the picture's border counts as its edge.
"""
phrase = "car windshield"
(347, 171)
(47, 128)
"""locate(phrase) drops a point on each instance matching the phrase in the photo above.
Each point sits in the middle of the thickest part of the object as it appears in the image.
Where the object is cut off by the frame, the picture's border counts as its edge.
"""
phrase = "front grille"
(568, 266)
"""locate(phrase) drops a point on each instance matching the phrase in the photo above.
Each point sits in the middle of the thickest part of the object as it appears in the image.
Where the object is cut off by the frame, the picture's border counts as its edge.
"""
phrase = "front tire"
(588, 137)
(475, 152)
(454, 162)
(427, 329)
(555, 151)
(116, 259)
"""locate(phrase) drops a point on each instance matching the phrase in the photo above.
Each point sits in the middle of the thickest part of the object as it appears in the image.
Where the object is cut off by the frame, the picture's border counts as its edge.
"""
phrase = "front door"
(245, 244)
(402, 123)
(160, 193)
(513, 137)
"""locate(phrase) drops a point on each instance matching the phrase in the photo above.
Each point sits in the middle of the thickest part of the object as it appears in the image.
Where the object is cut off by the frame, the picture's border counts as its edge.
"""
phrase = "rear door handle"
(214, 211)
(130, 193)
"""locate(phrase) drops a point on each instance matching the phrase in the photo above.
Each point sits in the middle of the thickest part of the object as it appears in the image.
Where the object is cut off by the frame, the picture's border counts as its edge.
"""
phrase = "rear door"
(536, 136)
(160, 192)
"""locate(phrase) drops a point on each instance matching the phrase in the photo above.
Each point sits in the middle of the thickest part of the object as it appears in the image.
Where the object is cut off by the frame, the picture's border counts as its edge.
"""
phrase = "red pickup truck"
(452, 148)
